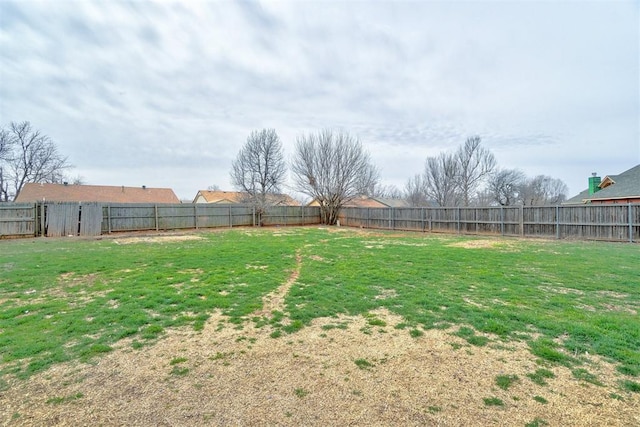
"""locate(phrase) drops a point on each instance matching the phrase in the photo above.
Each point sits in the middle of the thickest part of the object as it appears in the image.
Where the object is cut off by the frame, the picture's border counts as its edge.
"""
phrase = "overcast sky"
(164, 94)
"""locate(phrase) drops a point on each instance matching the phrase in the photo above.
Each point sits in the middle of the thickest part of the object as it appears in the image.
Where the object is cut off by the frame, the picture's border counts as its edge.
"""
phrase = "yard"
(318, 326)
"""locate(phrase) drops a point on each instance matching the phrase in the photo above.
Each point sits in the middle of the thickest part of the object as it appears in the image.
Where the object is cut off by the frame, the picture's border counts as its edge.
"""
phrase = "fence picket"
(616, 222)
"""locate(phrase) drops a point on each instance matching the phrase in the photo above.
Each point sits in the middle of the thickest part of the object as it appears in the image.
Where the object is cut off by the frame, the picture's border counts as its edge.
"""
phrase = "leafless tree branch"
(332, 168)
(26, 155)
(260, 169)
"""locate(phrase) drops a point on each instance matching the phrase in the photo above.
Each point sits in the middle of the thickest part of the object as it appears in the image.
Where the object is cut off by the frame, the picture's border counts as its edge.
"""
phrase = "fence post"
(302, 213)
(630, 223)
(458, 223)
(521, 220)
(35, 219)
(155, 210)
(557, 222)
(109, 218)
(230, 221)
(422, 218)
(501, 220)
(195, 215)
(368, 224)
(43, 219)
(475, 213)
(390, 212)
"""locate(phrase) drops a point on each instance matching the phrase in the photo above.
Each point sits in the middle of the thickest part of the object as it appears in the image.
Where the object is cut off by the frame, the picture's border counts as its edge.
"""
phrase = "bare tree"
(440, 179)
(5, 155)
(387, 192)
(475, 164)
(415, 191)
(543, 190)
(78, 180)
(214, 187)
(368, 183)
(260, 169)
(332, 168)
(381, 191)
(504, 186)
(27, 156)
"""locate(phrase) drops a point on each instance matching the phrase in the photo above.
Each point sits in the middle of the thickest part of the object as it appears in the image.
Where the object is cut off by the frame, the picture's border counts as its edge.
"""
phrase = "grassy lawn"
(69, 299)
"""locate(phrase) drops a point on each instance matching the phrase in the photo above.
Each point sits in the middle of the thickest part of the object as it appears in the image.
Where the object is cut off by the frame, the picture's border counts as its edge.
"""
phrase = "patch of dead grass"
(156, 239)
(243, 377)
(479, 244)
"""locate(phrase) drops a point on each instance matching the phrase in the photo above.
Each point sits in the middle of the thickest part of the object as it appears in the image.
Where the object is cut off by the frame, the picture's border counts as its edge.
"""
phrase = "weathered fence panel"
(90, 219)
(616, 222)
(62, 219)
(129, 217)
(589, 222)
(290, 215)
(18, 219)
(132, 217)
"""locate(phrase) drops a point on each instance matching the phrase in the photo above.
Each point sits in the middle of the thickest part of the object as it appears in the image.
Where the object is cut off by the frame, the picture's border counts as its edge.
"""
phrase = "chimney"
(594, 182)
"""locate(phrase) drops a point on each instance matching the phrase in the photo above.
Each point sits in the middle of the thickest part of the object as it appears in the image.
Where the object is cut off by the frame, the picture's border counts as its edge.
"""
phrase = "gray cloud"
(135, 87)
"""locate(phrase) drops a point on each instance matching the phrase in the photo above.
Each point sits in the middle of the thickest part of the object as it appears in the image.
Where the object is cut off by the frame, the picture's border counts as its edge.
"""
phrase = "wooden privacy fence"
(91, 219)
(18, 219)
(588, 222)
(133, 217)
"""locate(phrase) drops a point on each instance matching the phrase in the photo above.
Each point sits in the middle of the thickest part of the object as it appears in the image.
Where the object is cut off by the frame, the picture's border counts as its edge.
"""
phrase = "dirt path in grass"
(336, 372)
(275, 300)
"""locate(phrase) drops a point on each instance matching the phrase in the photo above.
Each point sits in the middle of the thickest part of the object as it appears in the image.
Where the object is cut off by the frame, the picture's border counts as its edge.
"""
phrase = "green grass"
(177, 360)
(86, 295)
(584, 375)
(300, 392)
(470, 336)
(415, 333)
(179, 371)
(493, 401)
(363, 364)
(537, 422)
(506, 381)
(64, 399)
(541, 375)
(631, 386)
(540, 399)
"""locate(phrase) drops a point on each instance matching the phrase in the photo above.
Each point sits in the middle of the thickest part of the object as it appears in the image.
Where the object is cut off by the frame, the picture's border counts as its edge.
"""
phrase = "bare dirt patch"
(274, 301)
(156, 239)
(479, 244)
(317, 376)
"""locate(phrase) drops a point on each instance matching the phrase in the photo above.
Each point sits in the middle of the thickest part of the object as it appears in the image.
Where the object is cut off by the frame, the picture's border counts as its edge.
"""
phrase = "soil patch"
(156, 239)
(320, 375)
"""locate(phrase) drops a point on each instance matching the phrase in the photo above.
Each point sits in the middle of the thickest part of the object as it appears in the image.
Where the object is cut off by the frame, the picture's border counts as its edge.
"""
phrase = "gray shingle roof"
(626, 185)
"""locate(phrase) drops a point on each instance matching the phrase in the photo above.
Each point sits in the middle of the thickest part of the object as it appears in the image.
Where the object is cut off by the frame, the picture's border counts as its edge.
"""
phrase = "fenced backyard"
(618, 222)
(279, 326)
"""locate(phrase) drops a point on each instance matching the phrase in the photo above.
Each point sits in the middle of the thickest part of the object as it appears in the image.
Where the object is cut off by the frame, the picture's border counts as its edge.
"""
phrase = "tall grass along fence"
(93, 219)
(589, 222)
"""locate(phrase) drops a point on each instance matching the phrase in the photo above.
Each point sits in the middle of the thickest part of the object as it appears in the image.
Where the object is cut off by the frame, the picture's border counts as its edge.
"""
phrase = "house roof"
(622, 186)
(95, 193)
(371, 202)
(364, 202)
(393, 203)
(230, 197)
